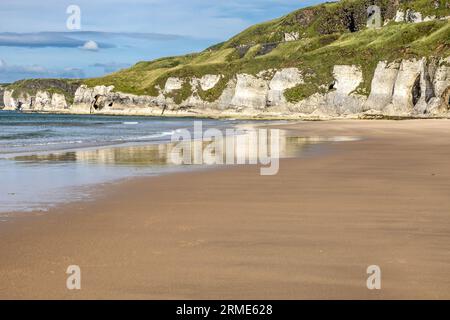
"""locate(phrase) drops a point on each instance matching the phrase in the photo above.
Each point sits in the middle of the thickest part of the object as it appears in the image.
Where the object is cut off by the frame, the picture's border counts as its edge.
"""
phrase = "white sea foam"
(156, 135)
(46, 143)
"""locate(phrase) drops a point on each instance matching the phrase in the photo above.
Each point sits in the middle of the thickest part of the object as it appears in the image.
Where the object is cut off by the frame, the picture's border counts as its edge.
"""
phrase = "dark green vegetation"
(32, 86)
(329, 34)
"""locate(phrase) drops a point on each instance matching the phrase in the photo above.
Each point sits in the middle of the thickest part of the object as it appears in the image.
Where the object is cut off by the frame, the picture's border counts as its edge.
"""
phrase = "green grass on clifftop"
(32, 86)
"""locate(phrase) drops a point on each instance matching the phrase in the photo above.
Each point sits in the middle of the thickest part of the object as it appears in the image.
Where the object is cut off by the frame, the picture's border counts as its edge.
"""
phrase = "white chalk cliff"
(400, 88)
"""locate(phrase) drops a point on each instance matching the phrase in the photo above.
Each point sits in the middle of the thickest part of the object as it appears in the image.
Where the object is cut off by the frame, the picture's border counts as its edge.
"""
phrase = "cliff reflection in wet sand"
(37, 182)
(160, 154)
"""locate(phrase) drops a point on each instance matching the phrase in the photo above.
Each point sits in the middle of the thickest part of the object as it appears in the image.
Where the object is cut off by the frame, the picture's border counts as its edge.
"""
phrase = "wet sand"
(308, 232)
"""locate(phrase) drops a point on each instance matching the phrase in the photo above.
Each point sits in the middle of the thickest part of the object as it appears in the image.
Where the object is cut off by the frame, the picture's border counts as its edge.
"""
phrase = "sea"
(47, 159)
(50, 159)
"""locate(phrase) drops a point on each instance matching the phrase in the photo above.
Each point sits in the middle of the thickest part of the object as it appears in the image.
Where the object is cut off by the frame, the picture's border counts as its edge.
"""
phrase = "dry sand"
(309, 232)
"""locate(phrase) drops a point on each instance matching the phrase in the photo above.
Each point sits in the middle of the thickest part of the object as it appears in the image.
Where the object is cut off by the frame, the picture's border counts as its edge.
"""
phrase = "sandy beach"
(309, 232)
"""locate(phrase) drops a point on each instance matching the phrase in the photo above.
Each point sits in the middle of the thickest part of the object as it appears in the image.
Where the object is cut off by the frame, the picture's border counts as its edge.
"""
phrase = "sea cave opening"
(416, 91)
(350, 22)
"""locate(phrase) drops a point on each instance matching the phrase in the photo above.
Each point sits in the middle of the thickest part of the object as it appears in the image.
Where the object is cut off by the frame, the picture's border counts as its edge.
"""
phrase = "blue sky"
(35, 41)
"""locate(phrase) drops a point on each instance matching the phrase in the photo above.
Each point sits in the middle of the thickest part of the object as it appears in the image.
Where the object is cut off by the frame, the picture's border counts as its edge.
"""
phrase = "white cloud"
(90, 46)
(11, 73)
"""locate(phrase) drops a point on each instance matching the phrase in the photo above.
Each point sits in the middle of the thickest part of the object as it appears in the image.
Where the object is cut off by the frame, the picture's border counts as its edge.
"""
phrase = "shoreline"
(308, 232)
(123, 160)
(240, 116)
(154, 167)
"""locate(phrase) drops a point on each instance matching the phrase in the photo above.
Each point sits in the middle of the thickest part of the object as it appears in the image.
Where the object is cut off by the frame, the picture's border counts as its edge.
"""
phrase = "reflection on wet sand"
(36, 182)
(161, 154)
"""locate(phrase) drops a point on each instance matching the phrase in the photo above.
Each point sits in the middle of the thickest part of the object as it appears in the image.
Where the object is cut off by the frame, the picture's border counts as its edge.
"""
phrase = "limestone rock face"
(209, 81)
(227, 95)
(412, 87)
(417, 87)
(8, 100)
(291, 36)
(87, 95)
(58, 101)
(382, 85)
(343, 99)
(399, 16)
(347, 78)
(43, 100)
(425, 90)
(20, 103)
(2, 91)
(440, 102)
(413, 16)
(441, 79)
(407, 79)
(103, 99)
(312, 105)
(250, 92)
(282, 80)
(340, 100)
(172, 84)
(96, 98)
